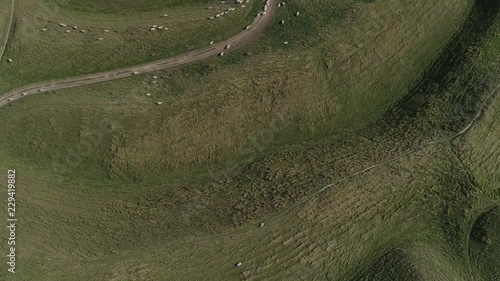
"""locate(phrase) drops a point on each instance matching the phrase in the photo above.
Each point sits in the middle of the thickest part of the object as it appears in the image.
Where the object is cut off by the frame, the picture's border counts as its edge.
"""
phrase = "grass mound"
(485, 245)
(395, 265)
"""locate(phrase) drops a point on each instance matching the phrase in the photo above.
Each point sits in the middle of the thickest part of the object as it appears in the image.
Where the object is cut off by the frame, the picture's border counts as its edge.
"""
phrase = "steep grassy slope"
(418, 261)
(124, 6)
(163, 172)
(5, 16)
(401, 268)
(482, 150)
(111, 138)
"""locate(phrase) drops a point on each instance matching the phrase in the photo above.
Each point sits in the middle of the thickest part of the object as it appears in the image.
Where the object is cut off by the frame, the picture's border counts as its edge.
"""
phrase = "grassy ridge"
(420, 203)
(150, 144)
(309, 241)
(128, 42)
(401, 268)
(5, 15)
(283, 90)
(480, 150)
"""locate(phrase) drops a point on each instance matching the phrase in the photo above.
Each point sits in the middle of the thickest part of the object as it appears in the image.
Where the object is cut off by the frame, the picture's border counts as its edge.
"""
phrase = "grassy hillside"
(229, 104)
(395, 265)
(126, 37)
(124, 6)
(485, 245)
(329, 237)
(481, 150)
(5, 16)
(349, 107)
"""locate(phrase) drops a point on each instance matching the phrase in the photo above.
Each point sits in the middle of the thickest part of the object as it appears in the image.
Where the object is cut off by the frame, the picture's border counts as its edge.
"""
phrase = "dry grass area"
(480, 151)
(333, 236)
(114, 187)
(485, 245)
(230, 103)
(483, 150)
(5, 16)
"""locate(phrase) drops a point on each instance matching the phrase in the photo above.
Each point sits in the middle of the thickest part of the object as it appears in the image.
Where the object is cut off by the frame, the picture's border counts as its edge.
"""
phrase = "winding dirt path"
(258, 27)
(7, 34)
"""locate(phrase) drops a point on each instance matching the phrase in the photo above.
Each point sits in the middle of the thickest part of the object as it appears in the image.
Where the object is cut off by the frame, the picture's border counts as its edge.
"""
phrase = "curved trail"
(7, 34)
(247, 36)
(395, 158)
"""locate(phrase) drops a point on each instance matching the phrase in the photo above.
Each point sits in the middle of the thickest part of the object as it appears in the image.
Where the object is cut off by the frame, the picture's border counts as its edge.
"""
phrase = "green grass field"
(114, 187)
(5, 16)
(42, 55)
(485, 245)
(124, 6)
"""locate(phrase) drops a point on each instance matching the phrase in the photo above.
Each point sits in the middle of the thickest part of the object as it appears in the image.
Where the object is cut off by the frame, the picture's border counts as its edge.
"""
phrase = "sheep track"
(261, 22)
